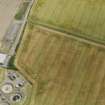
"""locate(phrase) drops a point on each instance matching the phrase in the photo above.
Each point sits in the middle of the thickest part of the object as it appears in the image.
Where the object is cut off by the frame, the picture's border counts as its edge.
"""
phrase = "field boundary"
(51, 28)
(26, 75)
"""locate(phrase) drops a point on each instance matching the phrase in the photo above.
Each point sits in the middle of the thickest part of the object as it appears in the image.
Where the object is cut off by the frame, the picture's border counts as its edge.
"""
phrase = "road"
(15, 32)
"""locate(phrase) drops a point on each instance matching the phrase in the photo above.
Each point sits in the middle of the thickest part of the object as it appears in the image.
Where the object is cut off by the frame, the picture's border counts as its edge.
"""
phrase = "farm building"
(2, 58)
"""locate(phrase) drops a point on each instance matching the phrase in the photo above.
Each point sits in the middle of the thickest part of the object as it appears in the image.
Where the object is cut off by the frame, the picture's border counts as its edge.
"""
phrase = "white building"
(2, 58)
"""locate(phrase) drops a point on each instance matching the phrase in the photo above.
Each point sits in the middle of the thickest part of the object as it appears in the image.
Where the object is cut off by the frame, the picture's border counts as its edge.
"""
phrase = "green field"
(66, 71)
(83, 18)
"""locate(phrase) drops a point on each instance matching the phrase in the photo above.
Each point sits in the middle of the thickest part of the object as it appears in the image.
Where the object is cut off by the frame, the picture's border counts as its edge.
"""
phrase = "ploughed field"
(82, 18)
(66, 71)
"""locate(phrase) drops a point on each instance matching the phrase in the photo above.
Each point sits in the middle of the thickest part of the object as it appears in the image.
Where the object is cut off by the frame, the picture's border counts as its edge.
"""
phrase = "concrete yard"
(8, 9)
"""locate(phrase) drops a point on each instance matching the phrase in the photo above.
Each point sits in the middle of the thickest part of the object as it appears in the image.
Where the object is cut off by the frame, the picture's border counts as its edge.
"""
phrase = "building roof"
(2, 58)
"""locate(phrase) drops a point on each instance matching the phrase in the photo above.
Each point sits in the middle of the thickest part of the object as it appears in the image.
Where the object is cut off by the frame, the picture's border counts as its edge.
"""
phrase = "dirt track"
(7, 11)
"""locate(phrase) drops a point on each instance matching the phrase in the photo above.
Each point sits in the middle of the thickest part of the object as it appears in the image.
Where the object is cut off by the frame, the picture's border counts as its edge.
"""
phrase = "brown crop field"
(66, 71)
(83, 18)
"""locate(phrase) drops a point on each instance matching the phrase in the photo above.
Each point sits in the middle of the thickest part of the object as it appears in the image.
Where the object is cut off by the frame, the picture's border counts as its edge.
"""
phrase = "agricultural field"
(65, 71)
(8, 8)
(83, 18)
(8, 27)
